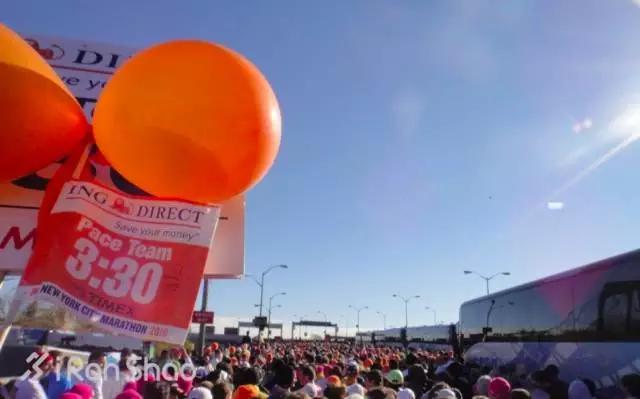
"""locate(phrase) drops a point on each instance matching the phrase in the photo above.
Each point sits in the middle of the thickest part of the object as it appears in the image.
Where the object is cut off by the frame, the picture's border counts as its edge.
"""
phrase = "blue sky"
(421, 138)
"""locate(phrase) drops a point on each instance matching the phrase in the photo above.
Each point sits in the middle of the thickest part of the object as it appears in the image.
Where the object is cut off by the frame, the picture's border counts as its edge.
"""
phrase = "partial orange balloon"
(189, 119)
(40, 120)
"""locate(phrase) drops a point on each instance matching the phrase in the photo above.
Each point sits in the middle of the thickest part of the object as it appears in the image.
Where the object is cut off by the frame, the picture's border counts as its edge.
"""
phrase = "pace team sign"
(119, 262)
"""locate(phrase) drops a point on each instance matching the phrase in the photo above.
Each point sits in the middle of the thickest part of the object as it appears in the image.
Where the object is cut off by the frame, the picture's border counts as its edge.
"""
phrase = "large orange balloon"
(189, 119)
(40, 120)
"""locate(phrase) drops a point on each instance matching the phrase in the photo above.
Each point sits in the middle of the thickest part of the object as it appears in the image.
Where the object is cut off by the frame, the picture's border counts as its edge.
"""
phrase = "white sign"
(85, 67)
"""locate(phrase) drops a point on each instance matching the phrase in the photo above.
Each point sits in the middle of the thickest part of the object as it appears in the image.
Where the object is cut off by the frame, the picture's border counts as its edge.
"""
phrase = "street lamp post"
(434, 314)
(485, 278)
(358, 310)
(406, 307)
(384, 320)
(269, 311)
(261, 281)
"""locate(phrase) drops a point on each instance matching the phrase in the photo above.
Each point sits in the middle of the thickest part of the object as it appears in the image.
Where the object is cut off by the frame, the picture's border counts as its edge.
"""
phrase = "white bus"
(586, 321)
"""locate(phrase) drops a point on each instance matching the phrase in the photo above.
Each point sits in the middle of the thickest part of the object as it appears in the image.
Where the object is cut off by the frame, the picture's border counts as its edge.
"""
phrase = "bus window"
(615, 313)
(635, 312)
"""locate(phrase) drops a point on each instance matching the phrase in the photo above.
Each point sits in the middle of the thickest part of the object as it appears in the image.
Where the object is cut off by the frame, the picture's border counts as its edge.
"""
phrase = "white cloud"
(555, 205)
(584, 125)
(577, 127)
(636, 2)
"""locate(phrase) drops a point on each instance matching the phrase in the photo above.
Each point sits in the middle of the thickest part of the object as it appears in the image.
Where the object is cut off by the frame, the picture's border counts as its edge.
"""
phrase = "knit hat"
(84, 390)
(248, 392)
(334, 380)
(129, 394)
(499, 388)
(482, 385)
(395, 377)
(200, 393)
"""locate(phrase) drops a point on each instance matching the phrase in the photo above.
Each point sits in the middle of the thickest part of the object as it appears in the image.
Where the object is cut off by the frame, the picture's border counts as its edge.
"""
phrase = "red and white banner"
(119, 262)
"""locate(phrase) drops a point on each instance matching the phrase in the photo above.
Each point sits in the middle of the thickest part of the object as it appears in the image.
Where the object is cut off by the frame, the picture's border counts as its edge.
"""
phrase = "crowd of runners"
(294, 370)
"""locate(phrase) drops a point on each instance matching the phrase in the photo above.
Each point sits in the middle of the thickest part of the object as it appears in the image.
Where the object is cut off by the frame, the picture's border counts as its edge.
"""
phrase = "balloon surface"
(40, 120)
(189, 119)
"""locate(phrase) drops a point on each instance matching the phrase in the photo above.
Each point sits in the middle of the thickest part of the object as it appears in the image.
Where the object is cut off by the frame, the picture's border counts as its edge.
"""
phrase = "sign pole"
(205, 296)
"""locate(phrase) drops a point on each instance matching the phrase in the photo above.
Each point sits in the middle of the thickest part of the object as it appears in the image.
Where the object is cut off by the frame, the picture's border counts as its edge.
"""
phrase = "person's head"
(553, 372)
(200, 393)
(445, 393)
(335, 392)
(394, 379)
(455, 369)
(306, 374)
(539, 379)
(579, 390)
(98, 357)
(248, 376)
(221, 390)
(406, 393)
(499, 388)
(84, 390)
(373, 379)
(481, 386)
(284, 377)
(351, 373)
(246, 392)
(416, 375)
(226, 367)
(631, 384)
(520, 393)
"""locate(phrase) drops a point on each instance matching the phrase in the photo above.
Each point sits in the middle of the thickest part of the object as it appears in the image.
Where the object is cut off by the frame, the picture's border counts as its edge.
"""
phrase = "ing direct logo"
(121, 206)
(54, 52)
